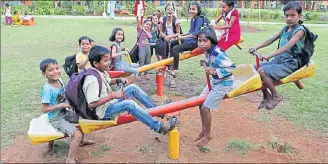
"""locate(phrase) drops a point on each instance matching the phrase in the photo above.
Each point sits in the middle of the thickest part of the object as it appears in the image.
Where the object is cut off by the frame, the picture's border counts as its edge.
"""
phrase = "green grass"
(241, 146)
(23, 48)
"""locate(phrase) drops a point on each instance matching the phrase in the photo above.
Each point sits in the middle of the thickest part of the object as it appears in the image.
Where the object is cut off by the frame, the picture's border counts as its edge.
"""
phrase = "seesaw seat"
(41, 130)
(246, 79)
(88, 126)
(302, 73)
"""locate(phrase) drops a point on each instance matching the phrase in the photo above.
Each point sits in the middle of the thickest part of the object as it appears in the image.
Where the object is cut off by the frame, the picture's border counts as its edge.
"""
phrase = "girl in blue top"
(117, 38)
(188, 42)
(221, 68)
(284, 62)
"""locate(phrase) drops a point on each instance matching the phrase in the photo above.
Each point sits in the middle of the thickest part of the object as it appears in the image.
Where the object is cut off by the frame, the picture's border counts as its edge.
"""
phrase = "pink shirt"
(234, 31)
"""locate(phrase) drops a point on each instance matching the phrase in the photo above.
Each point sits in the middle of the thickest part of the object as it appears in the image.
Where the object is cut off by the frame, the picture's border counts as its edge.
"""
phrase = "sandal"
(172, 84)
(173, 121)
(273, 103)
(172, 73)
(263, 103)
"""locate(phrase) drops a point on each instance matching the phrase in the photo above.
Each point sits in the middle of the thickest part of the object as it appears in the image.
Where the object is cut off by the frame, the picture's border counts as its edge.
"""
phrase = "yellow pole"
(130, 61)
(174, 144)
(164, 62)
(259, 14)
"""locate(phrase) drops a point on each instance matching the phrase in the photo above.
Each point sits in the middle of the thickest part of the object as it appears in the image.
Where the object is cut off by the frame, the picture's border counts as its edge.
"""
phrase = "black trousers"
(176, 49)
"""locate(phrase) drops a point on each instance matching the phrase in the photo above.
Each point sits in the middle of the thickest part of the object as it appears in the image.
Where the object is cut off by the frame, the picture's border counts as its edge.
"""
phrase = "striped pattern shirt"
(219, 60)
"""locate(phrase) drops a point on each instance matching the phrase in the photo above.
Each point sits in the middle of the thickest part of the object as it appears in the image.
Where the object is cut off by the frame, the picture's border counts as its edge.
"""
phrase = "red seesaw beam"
(164, 109)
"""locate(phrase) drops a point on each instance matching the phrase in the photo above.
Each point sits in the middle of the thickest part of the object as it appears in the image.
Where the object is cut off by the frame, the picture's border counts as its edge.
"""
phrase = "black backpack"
(173, 25)
(308, 50)
(75, 96)
(70, 65)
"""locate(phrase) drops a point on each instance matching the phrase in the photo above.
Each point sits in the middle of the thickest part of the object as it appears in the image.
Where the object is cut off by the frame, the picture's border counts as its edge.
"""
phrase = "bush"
(311, 16)
(79, 10)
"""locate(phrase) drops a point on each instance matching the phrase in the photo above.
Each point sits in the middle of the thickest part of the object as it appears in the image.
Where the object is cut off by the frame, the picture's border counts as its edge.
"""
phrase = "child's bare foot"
(204, 141)
(200, 136)
(274, 102)
(86, 142)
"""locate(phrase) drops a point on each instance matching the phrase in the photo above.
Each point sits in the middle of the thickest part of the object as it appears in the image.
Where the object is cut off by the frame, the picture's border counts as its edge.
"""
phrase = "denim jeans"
(125, 66)
(133, 108)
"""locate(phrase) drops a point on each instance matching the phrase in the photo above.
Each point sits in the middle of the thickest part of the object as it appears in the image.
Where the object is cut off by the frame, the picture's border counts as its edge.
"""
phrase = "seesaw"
(246, 80)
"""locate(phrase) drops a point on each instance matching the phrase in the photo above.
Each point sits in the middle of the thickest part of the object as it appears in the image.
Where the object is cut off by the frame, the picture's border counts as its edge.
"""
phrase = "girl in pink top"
(231, 26)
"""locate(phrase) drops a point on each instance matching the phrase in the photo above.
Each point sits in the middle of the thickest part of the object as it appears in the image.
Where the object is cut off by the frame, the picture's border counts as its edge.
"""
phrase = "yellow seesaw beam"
(168, 61)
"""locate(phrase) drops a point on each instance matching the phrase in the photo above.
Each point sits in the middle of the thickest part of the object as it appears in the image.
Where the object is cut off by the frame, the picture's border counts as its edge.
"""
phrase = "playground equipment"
(259, 3)
(247, 80)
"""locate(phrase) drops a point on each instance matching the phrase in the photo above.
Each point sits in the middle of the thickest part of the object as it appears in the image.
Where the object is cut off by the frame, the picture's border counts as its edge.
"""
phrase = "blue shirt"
(51, 95)
(195, 26)
(219, 60)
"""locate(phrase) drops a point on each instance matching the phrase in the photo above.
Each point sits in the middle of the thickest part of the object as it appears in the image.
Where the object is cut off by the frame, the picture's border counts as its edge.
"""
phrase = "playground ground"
(295, 132)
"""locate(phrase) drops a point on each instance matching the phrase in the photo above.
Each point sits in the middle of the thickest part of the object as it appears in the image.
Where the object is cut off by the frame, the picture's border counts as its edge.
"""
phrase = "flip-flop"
(273, 103)
(172, 73)
(173, 121)
(263, 103)
(172, 85)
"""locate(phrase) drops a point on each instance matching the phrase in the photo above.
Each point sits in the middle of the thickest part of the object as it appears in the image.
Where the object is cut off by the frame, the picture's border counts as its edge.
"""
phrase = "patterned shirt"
(219, 60)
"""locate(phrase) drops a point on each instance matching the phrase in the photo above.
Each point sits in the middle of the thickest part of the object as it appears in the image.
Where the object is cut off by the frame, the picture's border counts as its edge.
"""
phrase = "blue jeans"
(125, 66)
(133, 108)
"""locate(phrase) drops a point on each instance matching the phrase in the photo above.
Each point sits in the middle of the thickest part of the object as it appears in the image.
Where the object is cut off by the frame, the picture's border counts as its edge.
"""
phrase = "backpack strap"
(164, 24)
(97, 75)
(173, 24)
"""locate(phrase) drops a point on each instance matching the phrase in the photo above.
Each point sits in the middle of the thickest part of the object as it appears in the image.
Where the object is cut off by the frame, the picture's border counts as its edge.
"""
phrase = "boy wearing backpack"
(106, 104)
(291, 54)
(53, 103)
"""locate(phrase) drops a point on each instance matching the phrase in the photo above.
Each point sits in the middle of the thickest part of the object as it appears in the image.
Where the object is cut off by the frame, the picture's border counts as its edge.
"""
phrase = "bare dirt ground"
(237, 119)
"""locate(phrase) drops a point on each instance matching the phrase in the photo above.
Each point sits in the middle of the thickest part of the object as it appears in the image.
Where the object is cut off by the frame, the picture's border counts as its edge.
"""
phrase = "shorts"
(63, 122)
(276, 71)
(214, 97)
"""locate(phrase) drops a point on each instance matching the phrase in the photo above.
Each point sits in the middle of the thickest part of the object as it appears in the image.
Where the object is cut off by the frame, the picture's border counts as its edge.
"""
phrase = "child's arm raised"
(47, 108)
(289, 44)
(146, 32)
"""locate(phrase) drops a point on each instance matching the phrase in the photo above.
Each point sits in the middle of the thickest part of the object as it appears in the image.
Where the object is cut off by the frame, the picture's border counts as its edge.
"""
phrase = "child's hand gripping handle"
(128, 55)
(121, 84)
(205, 64)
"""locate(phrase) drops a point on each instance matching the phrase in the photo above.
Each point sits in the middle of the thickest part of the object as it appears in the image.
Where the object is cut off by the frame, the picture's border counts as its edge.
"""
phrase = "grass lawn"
(23, 48)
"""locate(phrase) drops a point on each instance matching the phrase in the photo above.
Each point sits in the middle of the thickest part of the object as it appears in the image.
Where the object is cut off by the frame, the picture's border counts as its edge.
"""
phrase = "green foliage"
(129, 6)
(79, 10)
(150, 9)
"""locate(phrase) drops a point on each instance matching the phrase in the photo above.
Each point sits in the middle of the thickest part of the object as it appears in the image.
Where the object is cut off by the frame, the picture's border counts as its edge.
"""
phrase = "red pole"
(208, 82)
(257, 62)
(160, 83)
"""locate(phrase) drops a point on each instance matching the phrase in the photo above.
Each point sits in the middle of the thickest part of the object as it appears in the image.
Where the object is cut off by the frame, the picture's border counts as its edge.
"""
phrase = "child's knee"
(130, 104)
(261, 71)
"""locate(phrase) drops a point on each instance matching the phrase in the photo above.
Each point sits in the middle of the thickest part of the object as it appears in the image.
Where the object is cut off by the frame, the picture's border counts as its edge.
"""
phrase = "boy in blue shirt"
(53, 103)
